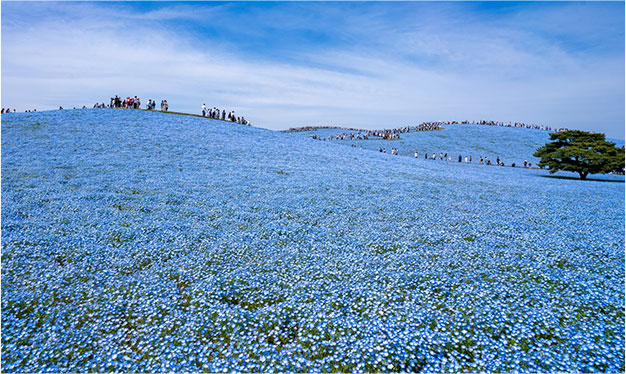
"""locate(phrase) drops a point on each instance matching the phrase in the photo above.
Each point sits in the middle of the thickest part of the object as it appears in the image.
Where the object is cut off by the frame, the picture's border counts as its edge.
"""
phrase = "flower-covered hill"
(140, 241)
(509, 144)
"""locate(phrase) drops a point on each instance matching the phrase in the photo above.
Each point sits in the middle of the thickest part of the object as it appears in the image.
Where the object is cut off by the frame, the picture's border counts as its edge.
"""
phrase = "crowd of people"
(133, 103)
(424, 126)
(394, 134)
(360, 134)
(344, 136)
(520, 125)
(116, 102)
(215, 113)
(484, 160)
(314, 128)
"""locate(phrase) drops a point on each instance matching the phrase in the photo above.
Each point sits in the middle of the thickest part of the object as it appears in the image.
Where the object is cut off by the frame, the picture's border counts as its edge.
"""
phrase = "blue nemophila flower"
(151, 242)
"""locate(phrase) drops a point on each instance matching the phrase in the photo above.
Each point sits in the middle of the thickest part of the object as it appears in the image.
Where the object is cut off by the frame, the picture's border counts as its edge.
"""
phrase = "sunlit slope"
(138, 241)
(510, 144)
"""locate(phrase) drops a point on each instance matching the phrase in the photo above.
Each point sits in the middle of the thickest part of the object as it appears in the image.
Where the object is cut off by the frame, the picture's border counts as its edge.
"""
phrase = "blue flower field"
(510, 144)
(136, 241)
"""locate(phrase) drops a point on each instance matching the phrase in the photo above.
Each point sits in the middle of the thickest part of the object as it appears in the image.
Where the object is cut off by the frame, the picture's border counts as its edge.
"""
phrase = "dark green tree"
(581, 152)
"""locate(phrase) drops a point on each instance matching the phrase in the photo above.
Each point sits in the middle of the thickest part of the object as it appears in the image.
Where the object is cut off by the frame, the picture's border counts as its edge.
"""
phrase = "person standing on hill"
(203, 110)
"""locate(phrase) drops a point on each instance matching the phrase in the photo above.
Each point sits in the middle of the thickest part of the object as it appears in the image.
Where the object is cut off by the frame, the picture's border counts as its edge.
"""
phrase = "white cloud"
(400, 76)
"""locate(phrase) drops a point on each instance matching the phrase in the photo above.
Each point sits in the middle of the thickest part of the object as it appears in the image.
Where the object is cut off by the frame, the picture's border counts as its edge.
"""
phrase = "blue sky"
(370, 65)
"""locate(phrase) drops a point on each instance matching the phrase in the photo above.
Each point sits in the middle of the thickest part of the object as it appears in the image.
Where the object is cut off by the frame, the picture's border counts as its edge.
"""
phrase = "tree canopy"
(581, 152)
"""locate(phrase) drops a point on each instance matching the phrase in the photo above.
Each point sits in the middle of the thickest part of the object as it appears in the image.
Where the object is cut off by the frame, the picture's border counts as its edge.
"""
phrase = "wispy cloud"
(282, 65)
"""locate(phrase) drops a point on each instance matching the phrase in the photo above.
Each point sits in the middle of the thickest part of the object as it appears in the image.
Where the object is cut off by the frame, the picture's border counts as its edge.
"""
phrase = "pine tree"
(581, 152)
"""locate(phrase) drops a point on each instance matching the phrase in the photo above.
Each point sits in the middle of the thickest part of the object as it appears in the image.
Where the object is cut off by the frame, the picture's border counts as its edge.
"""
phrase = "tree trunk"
(583, 175)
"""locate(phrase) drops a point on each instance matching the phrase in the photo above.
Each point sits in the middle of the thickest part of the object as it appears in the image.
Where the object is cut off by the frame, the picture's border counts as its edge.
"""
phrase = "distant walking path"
(193, 115)
(394, 134)
(362, 134)
(520, 125)
(467, 159)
